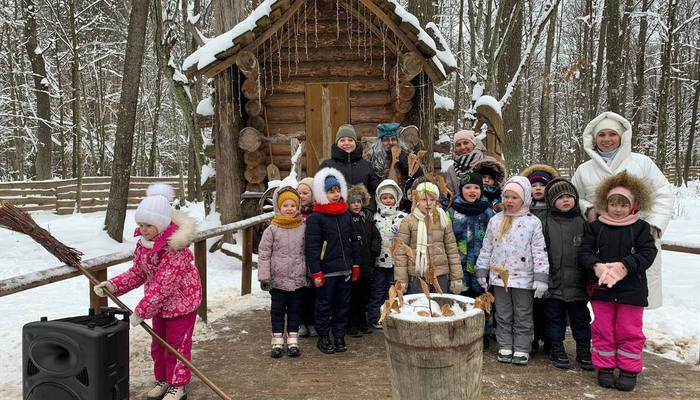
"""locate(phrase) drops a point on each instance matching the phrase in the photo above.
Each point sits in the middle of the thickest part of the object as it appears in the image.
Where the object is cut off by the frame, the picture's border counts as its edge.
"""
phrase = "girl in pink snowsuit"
(172, 291)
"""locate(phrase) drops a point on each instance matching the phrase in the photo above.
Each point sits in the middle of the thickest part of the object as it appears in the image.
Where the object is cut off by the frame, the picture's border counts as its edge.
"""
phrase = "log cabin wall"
(323, 45)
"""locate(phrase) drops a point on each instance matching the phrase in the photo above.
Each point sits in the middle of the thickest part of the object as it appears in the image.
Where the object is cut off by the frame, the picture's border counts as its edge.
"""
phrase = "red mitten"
(355, 272)
(318, 279)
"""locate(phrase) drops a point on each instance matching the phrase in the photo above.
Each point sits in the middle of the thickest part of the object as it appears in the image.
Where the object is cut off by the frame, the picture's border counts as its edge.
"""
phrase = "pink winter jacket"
(172, 285)
(282, 257)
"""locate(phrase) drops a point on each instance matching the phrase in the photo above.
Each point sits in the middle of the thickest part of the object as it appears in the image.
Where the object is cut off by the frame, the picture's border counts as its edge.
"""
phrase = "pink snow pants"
(177, 332)
(617, 336)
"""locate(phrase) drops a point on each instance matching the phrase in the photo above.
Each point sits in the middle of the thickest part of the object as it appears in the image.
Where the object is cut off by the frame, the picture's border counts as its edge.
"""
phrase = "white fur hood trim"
(185, 233)
(320, 181)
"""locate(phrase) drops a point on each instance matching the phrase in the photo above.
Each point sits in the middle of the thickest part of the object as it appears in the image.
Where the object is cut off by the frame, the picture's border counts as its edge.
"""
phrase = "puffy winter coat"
(469, 223)
(522, 251)
(442, 251)
(563, 234)
(589, 174)
(355, 169)
(633, 245)
(388, 220)
(369, 239)
(282, 255)
(478, 154)
(172, 286)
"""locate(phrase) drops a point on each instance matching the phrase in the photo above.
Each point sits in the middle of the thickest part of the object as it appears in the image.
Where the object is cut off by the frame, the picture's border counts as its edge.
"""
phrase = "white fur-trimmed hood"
(185, 233)
(589, 143)
(320, 181)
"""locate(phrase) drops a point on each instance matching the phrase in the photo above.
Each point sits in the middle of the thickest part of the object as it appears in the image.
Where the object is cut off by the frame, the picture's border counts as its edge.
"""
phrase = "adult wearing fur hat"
(607, 139)
(346, 156)
(468, 150)
(380, 156)
(333, 257)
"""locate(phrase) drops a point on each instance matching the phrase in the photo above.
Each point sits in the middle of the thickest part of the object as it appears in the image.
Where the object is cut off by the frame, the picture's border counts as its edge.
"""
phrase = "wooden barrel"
(436, 358)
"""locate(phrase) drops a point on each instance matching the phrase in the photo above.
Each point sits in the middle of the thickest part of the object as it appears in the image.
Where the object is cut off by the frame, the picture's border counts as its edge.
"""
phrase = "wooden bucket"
(436, 358)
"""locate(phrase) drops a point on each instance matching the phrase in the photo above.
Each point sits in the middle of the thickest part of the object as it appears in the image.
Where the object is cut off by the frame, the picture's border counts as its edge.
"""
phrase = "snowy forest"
(70, 68)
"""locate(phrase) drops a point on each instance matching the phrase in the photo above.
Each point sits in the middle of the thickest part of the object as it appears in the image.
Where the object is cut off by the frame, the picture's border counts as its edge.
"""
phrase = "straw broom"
(17, 220)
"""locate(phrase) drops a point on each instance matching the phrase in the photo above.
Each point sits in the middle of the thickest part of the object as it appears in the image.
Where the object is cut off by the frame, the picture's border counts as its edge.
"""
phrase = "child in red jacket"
(172, 291)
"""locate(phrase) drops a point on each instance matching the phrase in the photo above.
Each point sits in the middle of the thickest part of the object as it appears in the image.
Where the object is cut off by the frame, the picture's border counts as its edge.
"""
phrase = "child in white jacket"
(514, 241)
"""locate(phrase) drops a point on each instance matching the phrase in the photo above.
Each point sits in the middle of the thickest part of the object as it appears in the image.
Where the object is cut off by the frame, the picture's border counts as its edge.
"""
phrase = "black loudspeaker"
(77, 358)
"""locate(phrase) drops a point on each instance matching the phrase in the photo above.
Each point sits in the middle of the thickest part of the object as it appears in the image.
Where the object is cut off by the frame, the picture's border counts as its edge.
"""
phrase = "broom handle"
(155, 336)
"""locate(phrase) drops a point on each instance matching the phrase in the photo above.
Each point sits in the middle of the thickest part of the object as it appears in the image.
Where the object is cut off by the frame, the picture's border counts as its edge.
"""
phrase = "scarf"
(464, 163)
(331, 208)
(607, 155)
(477, 207)
(158, 241)
(524, 210)
(287, 222)
(605, 218)
(421, 256)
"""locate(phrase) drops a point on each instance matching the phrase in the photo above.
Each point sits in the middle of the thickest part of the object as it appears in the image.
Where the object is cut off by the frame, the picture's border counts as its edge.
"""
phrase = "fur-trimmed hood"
(640, 190)
(185, 233)
(540, 167)
(360, 190)
(492, 165)
(320, 181)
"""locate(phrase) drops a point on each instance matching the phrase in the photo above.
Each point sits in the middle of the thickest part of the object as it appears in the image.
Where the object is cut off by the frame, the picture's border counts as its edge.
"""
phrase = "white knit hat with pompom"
(155, 209)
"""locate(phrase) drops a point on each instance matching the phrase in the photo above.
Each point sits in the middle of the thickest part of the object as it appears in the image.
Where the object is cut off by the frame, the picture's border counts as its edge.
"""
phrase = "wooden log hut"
(298, 69)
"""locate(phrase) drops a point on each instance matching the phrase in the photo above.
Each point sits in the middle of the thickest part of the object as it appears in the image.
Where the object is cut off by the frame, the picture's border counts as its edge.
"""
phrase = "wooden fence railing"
(60, 195)
(98, 266)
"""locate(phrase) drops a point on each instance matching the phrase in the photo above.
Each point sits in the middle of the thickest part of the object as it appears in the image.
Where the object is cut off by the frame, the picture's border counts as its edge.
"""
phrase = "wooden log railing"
(98, 266)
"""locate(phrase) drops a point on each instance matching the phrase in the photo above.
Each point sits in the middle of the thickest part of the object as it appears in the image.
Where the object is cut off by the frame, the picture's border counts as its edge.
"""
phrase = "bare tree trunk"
(693, 119)
(35, 54)
(507, 66)
(77, 124)
(613, 61)
(545, 139)
(626, 27)
(18, 164)
(639, 82)
(664, 88)
(598, 77)
(153, 150)
(457, 122)
(119, 187)
(678, 113)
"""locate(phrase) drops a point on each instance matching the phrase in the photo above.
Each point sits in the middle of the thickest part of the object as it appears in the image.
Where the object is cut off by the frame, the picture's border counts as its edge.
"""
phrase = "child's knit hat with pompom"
(155, 209)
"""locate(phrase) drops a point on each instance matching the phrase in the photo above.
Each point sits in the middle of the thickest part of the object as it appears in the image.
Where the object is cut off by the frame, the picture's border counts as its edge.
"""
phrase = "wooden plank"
(200, 261)
(296, 85)
(247, 261)
(314, 127)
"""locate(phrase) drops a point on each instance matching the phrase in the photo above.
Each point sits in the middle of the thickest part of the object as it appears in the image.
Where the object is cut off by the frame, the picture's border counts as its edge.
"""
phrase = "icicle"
(306, 32)
(272, 70)
(364, 36)
(296, 45)
(264, 63)
(348, 25)
(289, 49)
(257, 57)
(337, 19)
(279, 54)
(235, 92)
(358, 29)
(384, 53)
(316, 23)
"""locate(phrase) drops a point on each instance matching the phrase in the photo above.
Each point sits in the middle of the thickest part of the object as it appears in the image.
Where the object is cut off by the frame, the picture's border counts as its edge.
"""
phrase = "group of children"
(328, 261)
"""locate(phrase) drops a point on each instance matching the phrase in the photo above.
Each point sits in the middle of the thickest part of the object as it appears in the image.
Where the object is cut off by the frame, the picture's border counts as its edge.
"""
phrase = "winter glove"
(318, 279)
(100, 289)
(616, 272)
(355, 272)
(591, 214)
(603, 276)
(135, 319)
(265, 285)
(456, 287)
(483, 283)
(540, 289)
(600, 268)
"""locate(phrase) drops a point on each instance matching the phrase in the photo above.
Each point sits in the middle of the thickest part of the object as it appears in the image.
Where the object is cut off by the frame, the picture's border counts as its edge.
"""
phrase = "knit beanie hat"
(391, 189)
(473, 178)
(388, 129)
(557, 189)
(288, 194)
(155, 208)
(465, 134)
(608, 123)
(515, 188)
(308, 181)
(346, 130)
(428, 187)
(329, 182)
(539, 177)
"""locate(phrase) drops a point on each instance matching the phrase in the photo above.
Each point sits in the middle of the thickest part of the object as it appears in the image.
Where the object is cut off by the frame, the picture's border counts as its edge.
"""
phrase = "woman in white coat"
(608, 141)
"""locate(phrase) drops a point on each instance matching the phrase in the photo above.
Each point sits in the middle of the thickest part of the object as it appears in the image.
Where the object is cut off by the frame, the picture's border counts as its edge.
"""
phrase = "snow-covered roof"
(219, 53)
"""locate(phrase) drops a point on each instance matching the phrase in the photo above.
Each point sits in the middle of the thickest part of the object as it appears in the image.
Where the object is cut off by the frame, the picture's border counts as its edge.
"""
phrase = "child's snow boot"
(505, 356)
(583, 356)
(158, 391)
(303, 331)
(520, 358)
(626, 381)
(606, 377)
(277, 345)
(292, 345)
(324, 344)
(558, 356)
(339, 344)
(175, 393)
(312, 331)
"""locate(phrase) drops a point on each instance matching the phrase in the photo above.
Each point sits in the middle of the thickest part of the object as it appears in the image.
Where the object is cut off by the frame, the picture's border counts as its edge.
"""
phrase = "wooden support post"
(96, 301)
(200, 261)
(247, 260)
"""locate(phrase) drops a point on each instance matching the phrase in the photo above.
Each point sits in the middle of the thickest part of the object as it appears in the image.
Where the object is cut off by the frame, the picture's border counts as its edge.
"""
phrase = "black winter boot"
(324, 344)
(558, 356)
(606, 377)
(583, 355)
(339, 344)
(626, 380)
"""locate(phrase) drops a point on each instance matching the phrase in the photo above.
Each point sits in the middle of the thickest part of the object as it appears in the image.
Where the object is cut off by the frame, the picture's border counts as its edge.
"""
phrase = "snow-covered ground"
(672, 331)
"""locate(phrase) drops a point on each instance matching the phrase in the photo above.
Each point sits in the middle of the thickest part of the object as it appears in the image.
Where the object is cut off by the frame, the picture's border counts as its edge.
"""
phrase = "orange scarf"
(286, 222)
